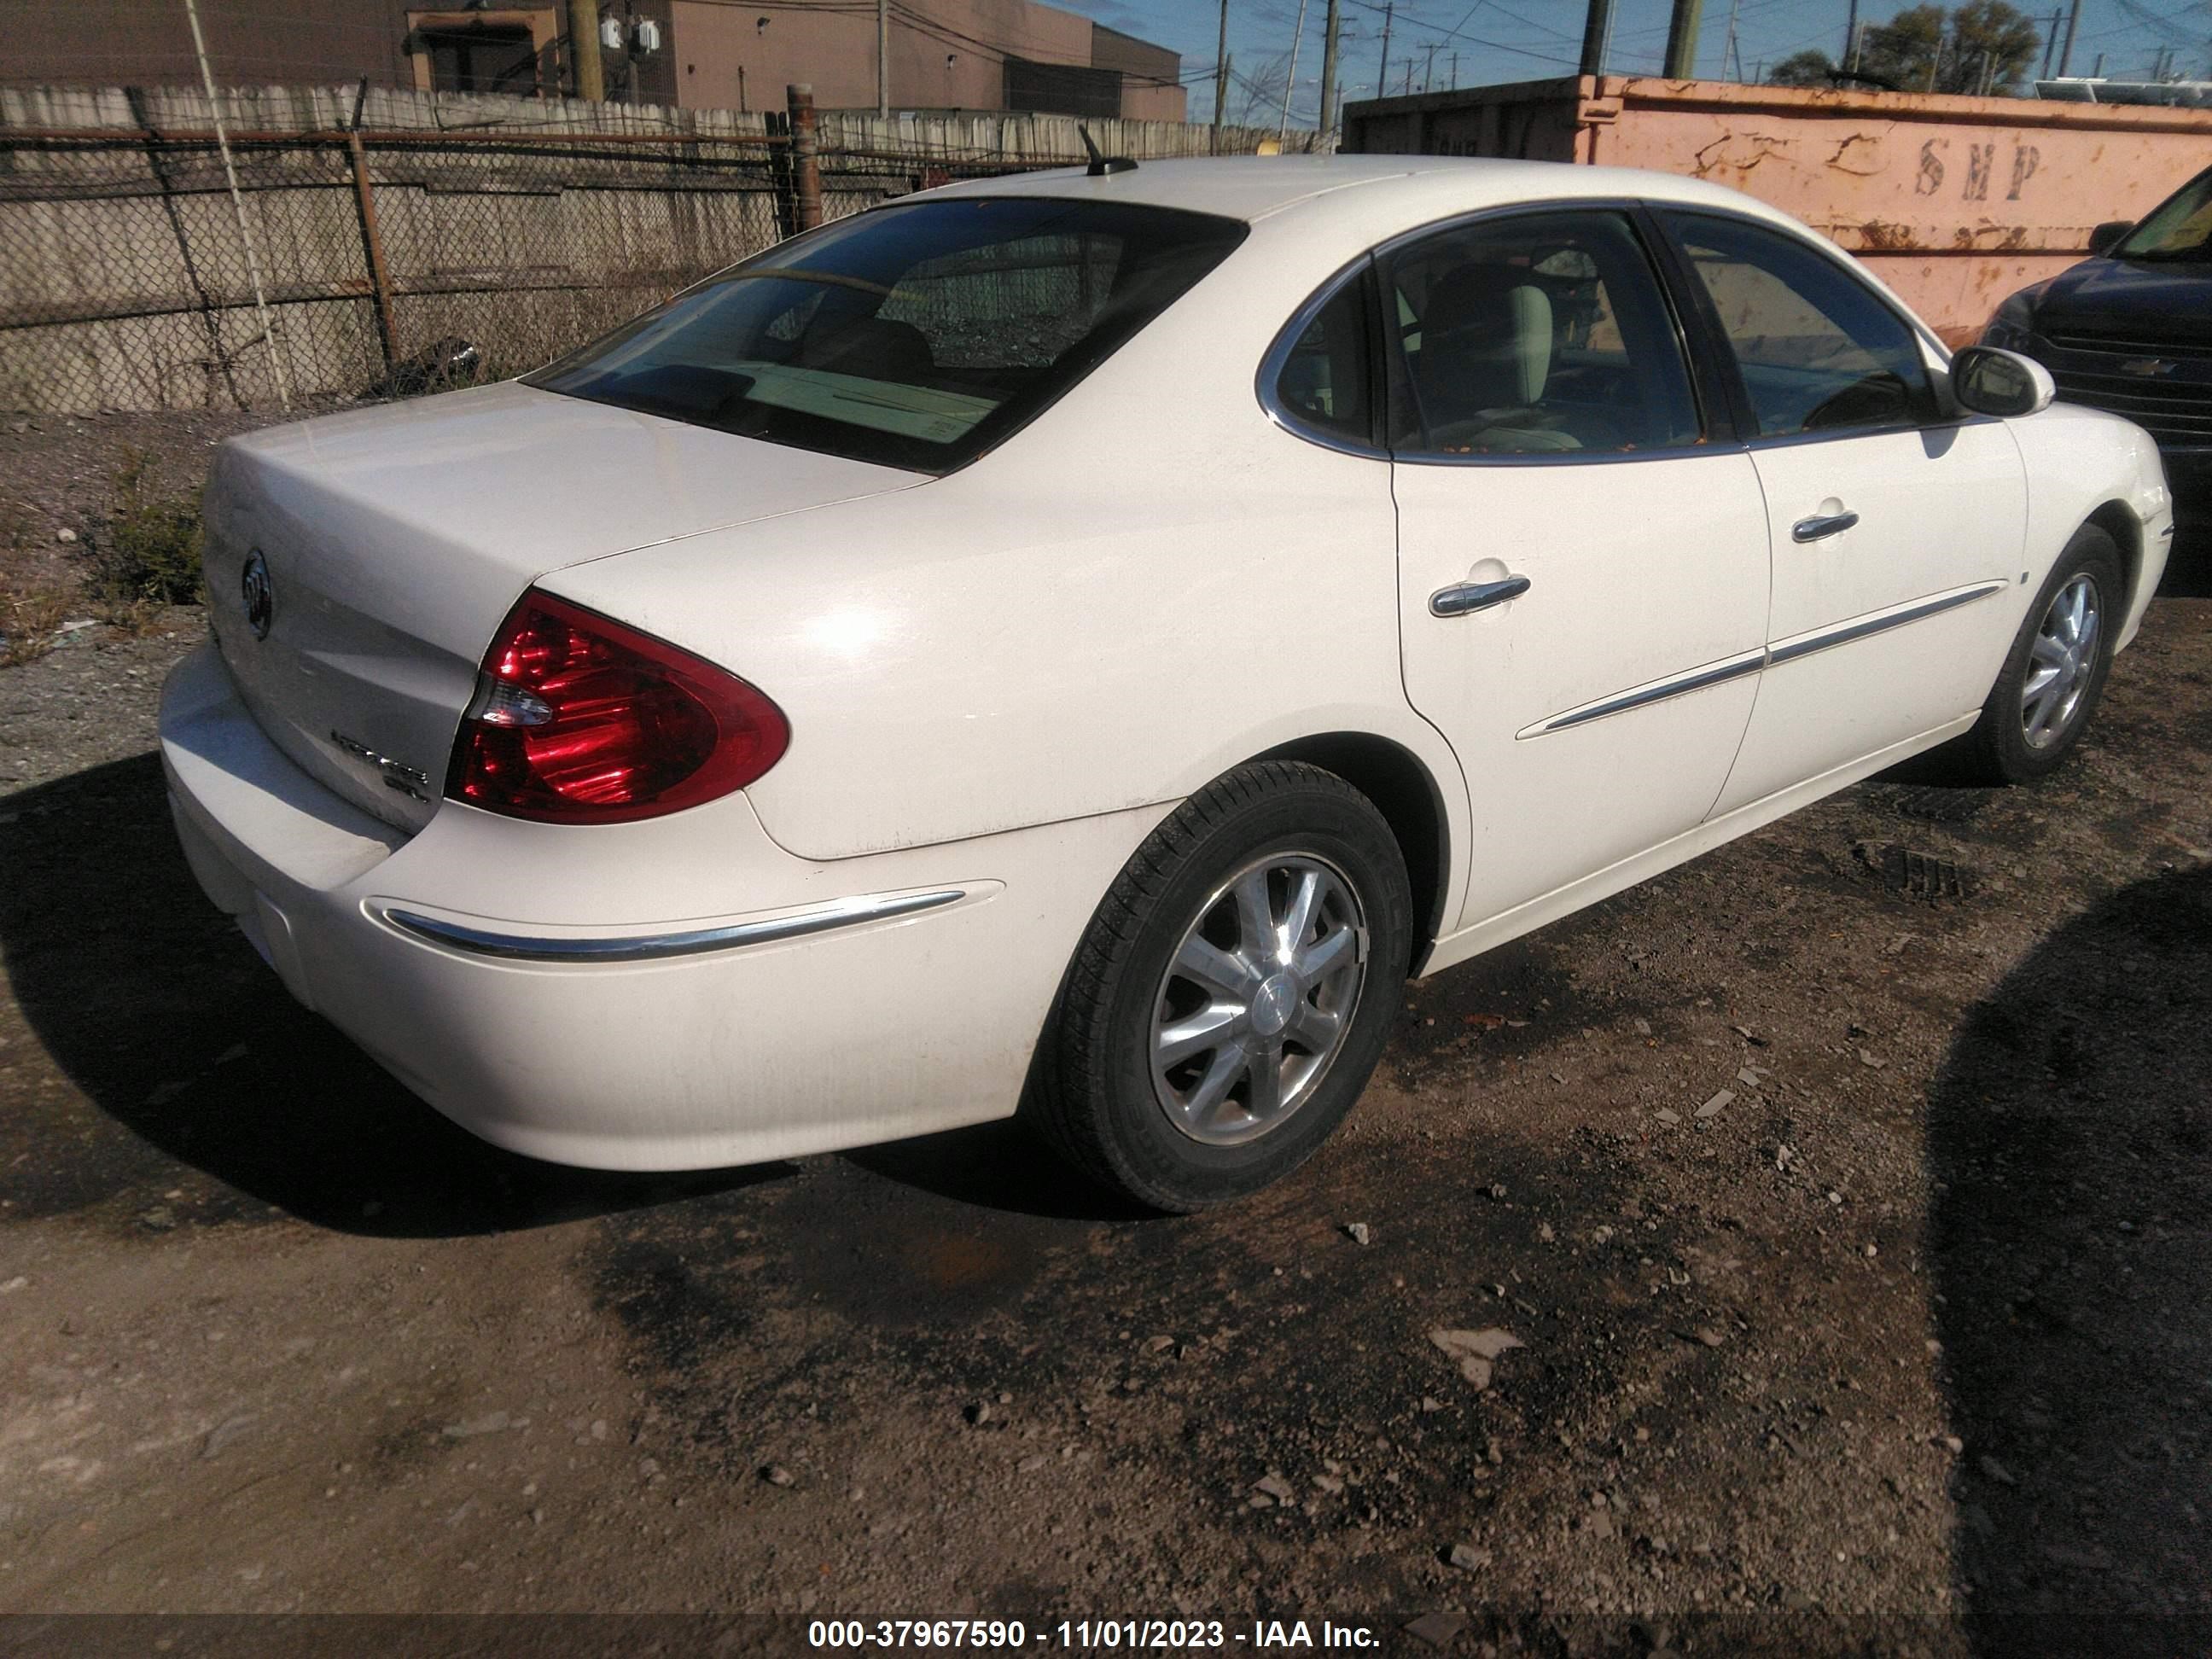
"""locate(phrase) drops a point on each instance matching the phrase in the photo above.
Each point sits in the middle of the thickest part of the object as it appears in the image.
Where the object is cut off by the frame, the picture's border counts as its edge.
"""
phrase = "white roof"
(1376, 188)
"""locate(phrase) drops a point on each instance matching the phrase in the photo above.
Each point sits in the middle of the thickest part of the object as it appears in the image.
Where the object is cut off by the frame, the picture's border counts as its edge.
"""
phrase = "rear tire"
(2054, 675)
(1233, 993)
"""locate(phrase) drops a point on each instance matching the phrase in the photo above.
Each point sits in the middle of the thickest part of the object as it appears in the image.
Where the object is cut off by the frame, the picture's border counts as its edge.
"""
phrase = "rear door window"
(1538, 334)
(1326, 381)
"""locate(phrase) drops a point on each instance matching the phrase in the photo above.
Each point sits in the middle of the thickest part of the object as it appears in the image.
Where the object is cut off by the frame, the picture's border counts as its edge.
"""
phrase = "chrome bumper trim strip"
(651, 947)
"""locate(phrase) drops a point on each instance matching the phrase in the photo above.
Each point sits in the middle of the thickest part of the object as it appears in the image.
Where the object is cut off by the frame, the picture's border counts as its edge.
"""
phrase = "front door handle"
(1821, 528)
(1460, 598)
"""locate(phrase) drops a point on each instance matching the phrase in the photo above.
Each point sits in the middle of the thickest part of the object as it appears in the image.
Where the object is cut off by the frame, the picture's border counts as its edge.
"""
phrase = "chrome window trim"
(1622, 204)
(1277, 353)
(1842, 435)
(1578, 457)
(655, 947)
(1278, 358)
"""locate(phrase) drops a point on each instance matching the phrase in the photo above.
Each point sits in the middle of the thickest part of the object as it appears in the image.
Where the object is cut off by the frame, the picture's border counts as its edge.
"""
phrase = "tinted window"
(1818, 348)
(916, 336)
(2179, 228)
(1326, 381)
(1541, 334)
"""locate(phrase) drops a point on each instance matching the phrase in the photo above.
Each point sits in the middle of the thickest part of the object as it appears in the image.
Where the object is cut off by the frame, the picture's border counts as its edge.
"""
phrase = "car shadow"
(1000, 1166)
(192, 1052)
(2070, 1144)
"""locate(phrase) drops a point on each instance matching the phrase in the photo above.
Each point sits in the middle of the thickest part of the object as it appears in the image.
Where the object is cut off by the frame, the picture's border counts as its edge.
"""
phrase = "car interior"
(1532, 342)
(908, 336)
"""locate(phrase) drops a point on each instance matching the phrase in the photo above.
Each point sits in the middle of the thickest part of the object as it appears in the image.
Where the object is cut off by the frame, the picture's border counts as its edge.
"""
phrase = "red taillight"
(582, 721)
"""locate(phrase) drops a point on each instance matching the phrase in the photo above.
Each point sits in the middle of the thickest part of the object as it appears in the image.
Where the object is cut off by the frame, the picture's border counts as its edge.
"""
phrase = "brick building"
(705, 54)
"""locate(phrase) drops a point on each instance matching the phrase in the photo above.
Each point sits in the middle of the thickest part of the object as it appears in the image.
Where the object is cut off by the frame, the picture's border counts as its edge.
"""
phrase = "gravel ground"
(1844, 1195)
(59, 486)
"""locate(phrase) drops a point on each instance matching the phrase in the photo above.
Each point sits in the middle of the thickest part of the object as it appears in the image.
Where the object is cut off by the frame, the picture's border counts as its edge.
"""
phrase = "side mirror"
(1993, 382)
(2106, 236)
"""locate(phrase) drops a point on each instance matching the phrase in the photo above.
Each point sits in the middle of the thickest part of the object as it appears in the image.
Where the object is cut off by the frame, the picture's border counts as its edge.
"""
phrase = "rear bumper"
(679, 993)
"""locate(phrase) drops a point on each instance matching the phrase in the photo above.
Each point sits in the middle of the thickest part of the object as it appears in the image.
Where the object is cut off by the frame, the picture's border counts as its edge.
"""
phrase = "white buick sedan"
(1074, 643)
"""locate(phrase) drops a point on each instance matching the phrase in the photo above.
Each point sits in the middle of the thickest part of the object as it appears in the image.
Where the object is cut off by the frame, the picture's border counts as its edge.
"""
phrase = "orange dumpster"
(1953, 202)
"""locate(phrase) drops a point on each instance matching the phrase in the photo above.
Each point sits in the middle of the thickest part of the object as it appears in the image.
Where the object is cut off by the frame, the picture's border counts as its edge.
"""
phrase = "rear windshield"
(915, 337)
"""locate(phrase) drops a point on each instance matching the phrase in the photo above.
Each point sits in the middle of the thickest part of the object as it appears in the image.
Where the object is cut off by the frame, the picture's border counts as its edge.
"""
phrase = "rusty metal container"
(1953, 202)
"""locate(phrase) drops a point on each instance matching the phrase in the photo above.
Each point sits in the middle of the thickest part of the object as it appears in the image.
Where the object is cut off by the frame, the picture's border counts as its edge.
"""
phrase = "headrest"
(1497, 314)
(878, 348)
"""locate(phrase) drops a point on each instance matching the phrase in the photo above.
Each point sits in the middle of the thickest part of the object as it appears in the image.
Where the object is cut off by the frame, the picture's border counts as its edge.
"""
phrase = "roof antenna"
(1102, 165)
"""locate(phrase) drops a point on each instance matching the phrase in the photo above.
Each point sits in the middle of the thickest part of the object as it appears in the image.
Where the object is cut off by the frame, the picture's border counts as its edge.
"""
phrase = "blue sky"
(1530, 39)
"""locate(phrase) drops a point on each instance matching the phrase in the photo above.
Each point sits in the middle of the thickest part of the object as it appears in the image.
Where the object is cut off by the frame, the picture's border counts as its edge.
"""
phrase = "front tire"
(2054, 675)
(1233, 993)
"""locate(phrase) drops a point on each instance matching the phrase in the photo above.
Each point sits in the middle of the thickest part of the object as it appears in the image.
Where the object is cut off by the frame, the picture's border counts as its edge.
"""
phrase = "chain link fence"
(132, 277)
(162, 268)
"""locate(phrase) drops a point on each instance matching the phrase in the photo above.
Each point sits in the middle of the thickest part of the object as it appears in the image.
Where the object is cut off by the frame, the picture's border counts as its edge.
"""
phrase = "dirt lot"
(1846, 1192)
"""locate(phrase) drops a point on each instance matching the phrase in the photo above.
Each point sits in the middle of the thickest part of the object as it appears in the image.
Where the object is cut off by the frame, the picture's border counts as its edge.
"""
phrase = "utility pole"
(1383, 69)
(584, 47)
(1597, 26)
(884, 59)
(238, 207)
(2066, 52)
(1328, 70)
(1429, 70)
(1221, 76)
(1455, 80)
(1849, 60)
(1728, 45)
(1682, 40)
(1291, 80)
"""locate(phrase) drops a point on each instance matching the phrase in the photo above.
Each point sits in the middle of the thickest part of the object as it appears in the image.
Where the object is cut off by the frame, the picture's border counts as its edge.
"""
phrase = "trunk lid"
(393, 541)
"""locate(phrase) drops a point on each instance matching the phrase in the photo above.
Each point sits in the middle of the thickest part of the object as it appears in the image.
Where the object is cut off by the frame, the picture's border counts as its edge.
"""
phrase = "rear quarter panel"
(1148, 584)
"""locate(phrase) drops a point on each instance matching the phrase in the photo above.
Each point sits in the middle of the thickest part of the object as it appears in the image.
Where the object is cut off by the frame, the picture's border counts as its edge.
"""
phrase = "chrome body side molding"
(1782, 651)
(1804, 645)
(652, 947)
(1675, 686)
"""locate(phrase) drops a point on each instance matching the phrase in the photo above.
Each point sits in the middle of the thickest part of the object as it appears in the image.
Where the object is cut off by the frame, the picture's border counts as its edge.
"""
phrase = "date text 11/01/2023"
(1089, 1634)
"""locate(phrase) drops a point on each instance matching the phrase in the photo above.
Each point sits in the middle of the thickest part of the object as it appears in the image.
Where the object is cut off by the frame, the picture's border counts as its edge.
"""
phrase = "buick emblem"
(2147, 367)
(260, 595)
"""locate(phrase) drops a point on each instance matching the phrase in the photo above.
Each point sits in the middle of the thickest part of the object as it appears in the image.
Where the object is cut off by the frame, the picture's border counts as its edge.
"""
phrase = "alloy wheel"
(2062, 662)
(1258, 999)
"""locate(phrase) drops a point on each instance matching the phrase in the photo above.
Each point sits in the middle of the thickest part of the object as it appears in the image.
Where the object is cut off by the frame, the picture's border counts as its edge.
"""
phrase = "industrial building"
(978, 55)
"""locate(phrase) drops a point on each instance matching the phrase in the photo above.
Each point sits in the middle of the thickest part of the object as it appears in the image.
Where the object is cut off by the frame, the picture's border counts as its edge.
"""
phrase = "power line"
(1461, 34)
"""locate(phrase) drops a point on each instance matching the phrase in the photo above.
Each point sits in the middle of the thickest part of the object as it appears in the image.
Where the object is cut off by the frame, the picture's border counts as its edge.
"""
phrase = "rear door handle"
(1462, 597)
(1820, 529)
